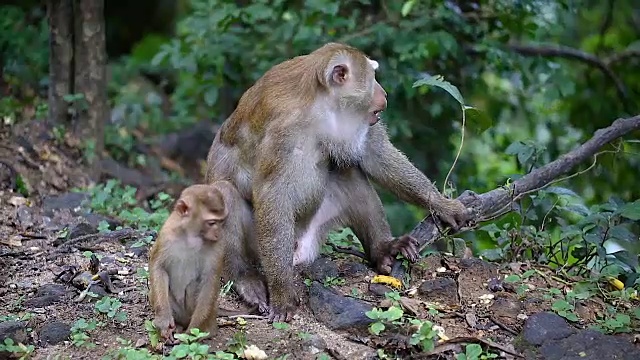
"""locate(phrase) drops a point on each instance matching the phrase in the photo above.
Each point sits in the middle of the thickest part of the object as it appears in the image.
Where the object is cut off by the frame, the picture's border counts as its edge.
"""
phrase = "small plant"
(189, 346)
(110, 307)
(474, 352)
(79, 336)
(425, 336)
(280, 325)
(127, 351)
(391, 315)
(19, 349)
(224, 290)
(333, 281)
(237, 343)
(620, 323)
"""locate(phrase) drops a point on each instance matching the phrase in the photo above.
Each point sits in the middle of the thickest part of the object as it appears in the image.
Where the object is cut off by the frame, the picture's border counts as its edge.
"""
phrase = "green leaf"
(558, 190)
(376, 328)
(406, 7)
(394, 313)
(473, 351)
(477, 120)
(439, 81)
(512, 278)
(631, 211)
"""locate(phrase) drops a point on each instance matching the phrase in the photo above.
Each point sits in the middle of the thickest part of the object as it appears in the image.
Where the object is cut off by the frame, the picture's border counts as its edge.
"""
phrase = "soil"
(471, 298)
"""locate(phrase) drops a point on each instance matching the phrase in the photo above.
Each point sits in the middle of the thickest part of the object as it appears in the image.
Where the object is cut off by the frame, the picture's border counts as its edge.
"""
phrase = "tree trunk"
(60, 13)
(90, 72)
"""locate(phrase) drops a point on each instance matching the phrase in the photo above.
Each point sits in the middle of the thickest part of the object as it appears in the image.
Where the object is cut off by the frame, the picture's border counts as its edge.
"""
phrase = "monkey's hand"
(167, 326)
(405, 245)
(452, 212)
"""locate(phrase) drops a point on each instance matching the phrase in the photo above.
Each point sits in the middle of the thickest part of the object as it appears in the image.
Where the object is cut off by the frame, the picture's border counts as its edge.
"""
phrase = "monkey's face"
(211, 230)
(358, 89)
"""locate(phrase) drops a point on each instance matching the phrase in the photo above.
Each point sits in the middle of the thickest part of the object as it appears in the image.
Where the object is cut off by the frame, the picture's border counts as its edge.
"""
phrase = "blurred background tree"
(547, 74)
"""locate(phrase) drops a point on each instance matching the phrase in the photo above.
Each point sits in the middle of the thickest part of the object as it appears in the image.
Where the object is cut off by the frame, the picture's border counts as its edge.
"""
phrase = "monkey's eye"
(211, 222)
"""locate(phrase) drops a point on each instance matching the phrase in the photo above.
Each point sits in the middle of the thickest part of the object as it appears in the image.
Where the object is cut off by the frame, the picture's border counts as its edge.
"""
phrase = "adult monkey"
(301, 147)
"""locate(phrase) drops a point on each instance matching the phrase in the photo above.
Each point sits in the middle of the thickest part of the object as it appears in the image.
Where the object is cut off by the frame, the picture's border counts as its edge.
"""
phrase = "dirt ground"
(471, 300)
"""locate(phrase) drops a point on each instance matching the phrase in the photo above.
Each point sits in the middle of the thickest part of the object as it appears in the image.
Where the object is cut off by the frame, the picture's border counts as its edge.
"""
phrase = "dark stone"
(139, 251)
(554, 339)
(71, 201)
(42, 301)
(545, 326)
(82, 229)
(379, 289)
(442, 289)
(96, 219)
(47, 295)
(353, 268)
(15, 330)
(52, 289)
(54, 332)
(335, 310)
(321, 269)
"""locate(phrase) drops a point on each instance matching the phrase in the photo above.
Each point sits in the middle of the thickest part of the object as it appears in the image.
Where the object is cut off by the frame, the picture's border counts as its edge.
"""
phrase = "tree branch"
(573, 54)
(501, 200)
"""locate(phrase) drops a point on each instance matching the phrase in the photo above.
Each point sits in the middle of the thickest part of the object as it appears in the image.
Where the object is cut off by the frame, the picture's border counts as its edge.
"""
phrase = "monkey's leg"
(365, 215)
(239, 257)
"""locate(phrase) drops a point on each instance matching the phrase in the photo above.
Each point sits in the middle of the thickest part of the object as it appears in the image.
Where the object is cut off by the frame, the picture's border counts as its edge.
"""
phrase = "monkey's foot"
(405, 245)
(254, 292)
(281, 314)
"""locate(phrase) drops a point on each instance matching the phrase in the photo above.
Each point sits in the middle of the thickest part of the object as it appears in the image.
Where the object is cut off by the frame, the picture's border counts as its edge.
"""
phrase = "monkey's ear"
(181, 207)
(340, 74)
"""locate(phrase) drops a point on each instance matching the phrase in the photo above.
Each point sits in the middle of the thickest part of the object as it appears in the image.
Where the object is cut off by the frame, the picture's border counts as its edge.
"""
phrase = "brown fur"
(186, 261)
(302, 147)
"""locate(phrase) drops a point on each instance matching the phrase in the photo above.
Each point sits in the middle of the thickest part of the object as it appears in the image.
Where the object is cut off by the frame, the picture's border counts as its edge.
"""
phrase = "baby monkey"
(185, 263)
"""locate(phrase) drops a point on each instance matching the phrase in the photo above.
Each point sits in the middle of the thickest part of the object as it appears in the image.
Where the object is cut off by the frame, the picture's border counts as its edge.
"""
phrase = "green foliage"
(113, 199)
(380, 317)
(79, 336)
(110, 308)
(330, 281)
(474, 352)
(20, 350)
(425, 336)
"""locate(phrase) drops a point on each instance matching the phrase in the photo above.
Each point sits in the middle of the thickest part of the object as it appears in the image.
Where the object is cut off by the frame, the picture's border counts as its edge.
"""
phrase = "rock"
(24, 217)
(72, 201)
(54, 332)
(321, 269)
(96, 219)
(353, 268)
(52, 289)
(335, 310)
(15, 330)
(82, 229)
(442, 289)
(46, 295)
(379, 289)
(545, 326)
(315, 343)
(553, 338)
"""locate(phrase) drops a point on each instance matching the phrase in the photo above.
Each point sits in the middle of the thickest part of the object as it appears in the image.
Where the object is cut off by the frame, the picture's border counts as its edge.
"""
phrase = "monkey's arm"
(389, 167)
(206, 309)
(159, 299)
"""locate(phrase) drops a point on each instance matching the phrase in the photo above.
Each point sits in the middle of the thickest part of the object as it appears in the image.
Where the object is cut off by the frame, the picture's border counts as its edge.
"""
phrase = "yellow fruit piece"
(616, 283)
(387, 280)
